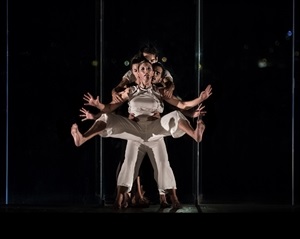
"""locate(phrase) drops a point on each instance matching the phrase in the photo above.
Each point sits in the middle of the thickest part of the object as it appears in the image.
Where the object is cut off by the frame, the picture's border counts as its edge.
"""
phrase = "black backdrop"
(247, 150)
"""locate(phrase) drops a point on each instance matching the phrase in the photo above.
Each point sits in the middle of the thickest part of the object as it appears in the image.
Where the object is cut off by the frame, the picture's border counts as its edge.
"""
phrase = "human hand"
(86, 115)
(199, 112)
(168, 93)
(155, 116)
(206, 93)
(116, 98)
(91, 100)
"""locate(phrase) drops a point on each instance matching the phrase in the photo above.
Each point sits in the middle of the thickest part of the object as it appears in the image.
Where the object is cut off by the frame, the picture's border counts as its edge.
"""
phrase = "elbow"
(185, 107)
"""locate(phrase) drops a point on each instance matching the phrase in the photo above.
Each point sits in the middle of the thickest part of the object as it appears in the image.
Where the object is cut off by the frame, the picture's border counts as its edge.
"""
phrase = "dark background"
(54, 53)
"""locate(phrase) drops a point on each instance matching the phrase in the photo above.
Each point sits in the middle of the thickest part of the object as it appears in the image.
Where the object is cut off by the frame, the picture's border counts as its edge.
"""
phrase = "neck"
(145, 85)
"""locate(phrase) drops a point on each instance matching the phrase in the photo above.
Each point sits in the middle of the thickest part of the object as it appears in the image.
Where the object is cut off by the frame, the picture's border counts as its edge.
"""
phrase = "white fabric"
(143, 130)
(144, 101)
(157, 152)
(144, 136)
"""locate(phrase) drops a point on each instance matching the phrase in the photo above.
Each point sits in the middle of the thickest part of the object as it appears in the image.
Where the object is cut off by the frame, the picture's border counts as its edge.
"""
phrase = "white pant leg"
(163, 172)
(166, 126)
(135, 152)
(140, 158)
(118, 126)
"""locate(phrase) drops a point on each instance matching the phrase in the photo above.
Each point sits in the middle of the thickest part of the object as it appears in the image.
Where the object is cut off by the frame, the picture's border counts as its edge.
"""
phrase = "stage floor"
(186, 208)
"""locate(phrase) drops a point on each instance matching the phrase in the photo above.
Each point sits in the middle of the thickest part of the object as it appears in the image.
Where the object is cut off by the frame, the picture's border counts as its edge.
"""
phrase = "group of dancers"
(146, 87)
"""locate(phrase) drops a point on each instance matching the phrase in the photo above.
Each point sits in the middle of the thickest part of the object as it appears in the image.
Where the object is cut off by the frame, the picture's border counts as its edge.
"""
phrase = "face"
(150, 57)
(134, 69)
(145, 73)
(157, 76)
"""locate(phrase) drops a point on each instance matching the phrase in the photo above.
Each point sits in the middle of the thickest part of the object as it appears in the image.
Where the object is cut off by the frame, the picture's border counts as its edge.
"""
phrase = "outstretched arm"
(104, 108)
(186, 105)
(120, 87)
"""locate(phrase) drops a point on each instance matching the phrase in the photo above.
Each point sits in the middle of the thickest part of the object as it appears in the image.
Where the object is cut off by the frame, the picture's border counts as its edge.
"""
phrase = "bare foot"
(199, 130)
(126, 199)
(163, 201)
(77, 136)
(118, 201)
(175, 202)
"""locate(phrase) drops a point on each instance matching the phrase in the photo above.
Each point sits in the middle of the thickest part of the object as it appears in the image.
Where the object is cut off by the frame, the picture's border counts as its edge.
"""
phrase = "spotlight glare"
(126, 63)
(262, 63)
(94, 63)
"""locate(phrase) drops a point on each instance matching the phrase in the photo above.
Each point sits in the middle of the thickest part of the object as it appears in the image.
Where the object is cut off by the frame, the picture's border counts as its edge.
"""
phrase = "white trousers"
(157, 152)
(118, 126)
(144, 137)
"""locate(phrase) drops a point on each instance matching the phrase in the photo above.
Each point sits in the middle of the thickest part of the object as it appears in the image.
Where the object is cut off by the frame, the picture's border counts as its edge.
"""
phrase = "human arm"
(169, 87)
(120, 87)
(127, 78)
(186, 105)
(105, 108)
(169, 84)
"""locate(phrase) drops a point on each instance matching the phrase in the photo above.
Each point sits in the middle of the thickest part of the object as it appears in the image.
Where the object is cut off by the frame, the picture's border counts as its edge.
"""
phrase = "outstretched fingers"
(85, 114)
(87, 97)
(208, 91)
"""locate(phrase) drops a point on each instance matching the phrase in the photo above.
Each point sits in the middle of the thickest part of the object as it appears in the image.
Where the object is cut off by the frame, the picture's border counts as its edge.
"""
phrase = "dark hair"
(149, 48)
(137, 58)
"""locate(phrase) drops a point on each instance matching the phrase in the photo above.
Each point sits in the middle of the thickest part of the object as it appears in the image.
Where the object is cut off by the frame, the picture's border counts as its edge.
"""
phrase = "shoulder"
(168, 75)
(127, 74)
(158, 90)
(132, 89)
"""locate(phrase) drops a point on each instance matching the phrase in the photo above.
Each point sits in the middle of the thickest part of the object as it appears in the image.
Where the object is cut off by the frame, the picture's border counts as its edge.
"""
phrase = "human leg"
(163, 172)
(163, 200)
(175, 124)
(174, 199)
(121, 200)
(139, 199)
(197, 133)
(108, 125)
(79, 138)
(133, 153)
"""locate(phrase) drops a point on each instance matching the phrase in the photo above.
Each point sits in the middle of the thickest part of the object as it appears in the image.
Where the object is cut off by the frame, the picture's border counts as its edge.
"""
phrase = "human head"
(145, 72)
(150, 52)
(158, 72)
(135, 60)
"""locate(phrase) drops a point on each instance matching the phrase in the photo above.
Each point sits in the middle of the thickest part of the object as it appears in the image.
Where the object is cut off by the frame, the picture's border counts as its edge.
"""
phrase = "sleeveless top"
(144, 101)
